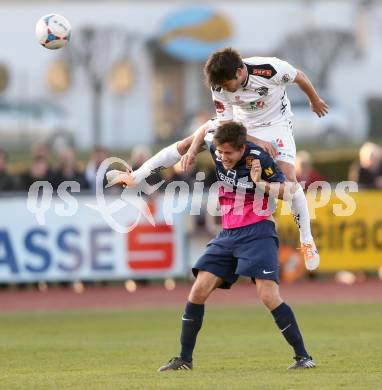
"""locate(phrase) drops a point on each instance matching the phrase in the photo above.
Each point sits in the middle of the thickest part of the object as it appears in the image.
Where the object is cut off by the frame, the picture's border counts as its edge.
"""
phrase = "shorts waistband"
(248, 227)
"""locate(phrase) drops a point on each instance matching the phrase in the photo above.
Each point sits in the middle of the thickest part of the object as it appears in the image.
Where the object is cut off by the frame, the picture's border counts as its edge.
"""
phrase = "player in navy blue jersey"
(247, 244)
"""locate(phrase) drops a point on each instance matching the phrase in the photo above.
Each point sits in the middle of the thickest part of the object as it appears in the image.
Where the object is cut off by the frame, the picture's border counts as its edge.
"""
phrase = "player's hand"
(319, 107)
(188, 160)
(268, 147)
(256, 171)
(125, 179)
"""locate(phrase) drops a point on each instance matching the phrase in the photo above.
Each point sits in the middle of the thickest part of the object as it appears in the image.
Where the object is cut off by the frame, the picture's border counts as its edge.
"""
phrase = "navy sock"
(191, 323)
(287, 323)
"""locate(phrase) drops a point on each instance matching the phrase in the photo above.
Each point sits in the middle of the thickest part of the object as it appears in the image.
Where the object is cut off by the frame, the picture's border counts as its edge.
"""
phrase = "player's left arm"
(317, 104)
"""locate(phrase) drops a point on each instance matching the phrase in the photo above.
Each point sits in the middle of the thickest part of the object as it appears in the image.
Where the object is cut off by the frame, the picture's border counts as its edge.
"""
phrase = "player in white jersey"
(260, 100)
(252, 91)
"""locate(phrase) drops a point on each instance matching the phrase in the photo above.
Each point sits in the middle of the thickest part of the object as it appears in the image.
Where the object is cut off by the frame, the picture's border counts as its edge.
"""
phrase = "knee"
(289, 172)
(270, 299)
(184, 145)
(291, 176)
(199, 293)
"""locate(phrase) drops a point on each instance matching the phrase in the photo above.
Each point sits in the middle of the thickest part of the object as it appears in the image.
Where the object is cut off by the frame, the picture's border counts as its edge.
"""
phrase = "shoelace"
(307, 250)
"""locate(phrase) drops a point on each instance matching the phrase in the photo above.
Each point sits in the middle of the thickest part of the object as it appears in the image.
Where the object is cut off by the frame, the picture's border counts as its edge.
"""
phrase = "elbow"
(300, 77)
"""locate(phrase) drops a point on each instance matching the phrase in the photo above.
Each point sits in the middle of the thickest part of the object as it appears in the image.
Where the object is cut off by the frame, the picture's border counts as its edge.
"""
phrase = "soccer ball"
(53, 31)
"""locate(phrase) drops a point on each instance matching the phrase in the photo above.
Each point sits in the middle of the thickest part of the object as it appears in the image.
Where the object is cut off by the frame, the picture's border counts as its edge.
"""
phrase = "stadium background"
(129, 83)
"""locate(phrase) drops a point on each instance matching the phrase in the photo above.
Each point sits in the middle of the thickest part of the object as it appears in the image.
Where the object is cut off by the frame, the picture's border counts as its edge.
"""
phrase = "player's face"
(234, 84)
(228, 155)
(231, 85)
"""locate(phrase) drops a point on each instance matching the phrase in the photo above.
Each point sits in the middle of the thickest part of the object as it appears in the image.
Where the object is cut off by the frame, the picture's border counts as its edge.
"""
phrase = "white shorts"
(280, 134)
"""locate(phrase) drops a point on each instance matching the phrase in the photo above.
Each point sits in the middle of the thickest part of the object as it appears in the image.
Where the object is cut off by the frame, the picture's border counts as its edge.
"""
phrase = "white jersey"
(262, 99)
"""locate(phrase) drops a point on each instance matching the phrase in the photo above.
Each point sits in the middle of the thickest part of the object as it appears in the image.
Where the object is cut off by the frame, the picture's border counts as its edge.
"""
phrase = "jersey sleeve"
(270, 171)
(224, 109)
(208, 138)
(286, 73)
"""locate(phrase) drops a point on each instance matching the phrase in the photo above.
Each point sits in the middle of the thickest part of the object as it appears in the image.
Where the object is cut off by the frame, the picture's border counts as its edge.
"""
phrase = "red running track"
(157, 296)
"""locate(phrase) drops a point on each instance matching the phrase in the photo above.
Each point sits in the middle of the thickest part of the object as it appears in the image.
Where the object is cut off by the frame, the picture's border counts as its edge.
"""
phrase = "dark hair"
(221, 66)
(232, 132)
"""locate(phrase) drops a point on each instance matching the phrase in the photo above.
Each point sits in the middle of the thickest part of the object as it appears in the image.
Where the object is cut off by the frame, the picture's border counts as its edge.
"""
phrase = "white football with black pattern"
(53, 31)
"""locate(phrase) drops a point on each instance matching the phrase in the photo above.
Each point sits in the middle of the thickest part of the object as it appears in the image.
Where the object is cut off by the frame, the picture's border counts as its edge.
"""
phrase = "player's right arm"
(317, 104)
(287, 74)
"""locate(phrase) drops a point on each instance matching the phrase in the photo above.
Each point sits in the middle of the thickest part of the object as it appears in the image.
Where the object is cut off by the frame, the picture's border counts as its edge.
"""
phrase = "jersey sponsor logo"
(262, 91)
(241, 183)
(219, 106)
(268, 171)
(279, 142)
(249, 161)
(226, 179)
(264, 70)
(257, 105)
(238, 100)
(231, 173)
(286, 78)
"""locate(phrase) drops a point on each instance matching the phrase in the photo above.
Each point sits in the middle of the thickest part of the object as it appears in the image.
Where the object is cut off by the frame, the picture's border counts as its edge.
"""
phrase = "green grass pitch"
(238, 348)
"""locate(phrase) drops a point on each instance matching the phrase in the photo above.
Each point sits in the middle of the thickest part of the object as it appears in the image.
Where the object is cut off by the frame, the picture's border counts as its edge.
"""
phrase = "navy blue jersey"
(254, 206)
(270, 171)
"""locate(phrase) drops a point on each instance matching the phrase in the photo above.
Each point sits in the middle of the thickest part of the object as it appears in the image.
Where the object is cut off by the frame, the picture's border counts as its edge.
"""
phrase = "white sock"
(301, 215)
(163, 159)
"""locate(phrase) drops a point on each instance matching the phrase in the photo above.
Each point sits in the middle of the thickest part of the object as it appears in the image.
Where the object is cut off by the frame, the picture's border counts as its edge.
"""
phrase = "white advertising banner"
(54, 242)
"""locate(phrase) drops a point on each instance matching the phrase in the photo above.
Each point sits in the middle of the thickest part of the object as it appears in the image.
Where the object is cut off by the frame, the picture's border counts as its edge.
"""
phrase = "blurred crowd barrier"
(49, 241)
(106, 240)
(347, 230)
(79, 237)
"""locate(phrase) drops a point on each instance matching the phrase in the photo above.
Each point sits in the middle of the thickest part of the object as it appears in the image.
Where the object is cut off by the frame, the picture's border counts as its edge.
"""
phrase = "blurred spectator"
(368, 171)
(39, 171)
(305, 173)
(40, 150)
(67, 169)
(99, 154)
(7, 182)
(139, 155)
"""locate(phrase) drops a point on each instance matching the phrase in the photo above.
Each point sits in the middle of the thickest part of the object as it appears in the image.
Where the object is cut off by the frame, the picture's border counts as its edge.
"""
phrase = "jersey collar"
(244, 84)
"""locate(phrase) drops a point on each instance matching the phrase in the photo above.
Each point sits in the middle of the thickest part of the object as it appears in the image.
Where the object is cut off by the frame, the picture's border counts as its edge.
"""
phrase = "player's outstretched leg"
(192, 320)
(283, 315)
(301, 216)
(300, 211)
